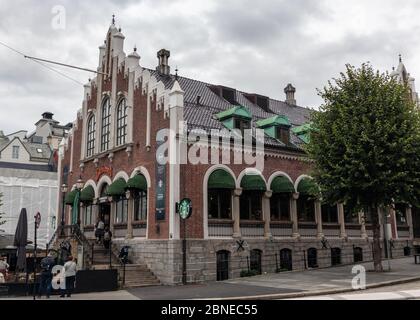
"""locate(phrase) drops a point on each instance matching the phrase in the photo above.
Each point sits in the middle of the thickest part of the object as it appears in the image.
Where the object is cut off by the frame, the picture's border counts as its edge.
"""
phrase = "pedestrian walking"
(99, 231)
(107, 238)
(47, 265)
(70, 269)
(4, 268)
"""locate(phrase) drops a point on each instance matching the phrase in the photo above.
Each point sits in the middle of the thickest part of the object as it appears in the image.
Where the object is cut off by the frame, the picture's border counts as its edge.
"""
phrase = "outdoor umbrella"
(21, 240)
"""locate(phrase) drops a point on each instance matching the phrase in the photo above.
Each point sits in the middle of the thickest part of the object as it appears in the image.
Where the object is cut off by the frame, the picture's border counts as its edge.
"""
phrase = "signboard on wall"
(160, 184)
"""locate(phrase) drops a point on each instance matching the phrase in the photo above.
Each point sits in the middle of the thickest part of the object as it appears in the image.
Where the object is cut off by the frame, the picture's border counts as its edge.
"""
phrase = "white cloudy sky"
(255, 46)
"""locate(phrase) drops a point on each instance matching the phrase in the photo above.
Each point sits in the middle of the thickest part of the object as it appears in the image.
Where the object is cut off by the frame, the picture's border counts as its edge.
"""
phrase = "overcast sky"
(254, 46)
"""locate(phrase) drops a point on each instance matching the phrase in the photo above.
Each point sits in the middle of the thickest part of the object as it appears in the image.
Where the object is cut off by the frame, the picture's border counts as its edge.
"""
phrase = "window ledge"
(104, 154)
(120, 226)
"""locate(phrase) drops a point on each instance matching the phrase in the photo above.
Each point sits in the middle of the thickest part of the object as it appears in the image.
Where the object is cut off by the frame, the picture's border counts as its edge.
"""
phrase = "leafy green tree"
(365, 144)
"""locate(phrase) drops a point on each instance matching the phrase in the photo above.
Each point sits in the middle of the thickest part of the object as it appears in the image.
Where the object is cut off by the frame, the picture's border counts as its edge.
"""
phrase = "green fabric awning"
(307, 186)
(253, 182)
(87, 194)
(282, 185)
(220, 179)
(137, 182)
(117, 188)
(70, 196)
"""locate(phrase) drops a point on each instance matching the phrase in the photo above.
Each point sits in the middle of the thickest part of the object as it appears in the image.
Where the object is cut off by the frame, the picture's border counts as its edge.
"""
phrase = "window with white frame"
(88, 215)
(105, 125)
(15, 152)
(121, 214)
(91, 130)
(122, 122)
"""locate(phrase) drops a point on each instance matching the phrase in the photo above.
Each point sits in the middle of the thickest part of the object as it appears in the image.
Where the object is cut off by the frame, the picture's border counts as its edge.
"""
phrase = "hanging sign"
(185, 209)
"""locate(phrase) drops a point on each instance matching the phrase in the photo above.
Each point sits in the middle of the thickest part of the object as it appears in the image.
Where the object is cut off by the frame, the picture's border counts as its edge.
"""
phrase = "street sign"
(185, 209)
(37, 220)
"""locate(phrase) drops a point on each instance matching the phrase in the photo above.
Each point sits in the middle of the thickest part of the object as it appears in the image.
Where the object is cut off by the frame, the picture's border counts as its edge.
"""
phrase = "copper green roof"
(238, 111)
(220, 179)
(137, 182)
(303, 129)
(274, 121)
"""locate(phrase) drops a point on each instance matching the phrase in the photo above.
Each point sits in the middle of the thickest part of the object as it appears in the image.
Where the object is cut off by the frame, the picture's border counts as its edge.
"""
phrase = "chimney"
(163, 67)
(47, 115)
(290, 94)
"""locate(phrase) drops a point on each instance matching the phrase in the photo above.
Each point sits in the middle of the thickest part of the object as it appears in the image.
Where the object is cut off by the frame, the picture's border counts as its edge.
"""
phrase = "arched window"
(286, 260)
(253, 187)
(140, 205)
(220, 187)
(105, 125)
(91, 130)
(121, 122)
(312, 258)
(223, 258)
(358, 254)
(255, 263)
(306, 201)
(335, 256)
(329, 213)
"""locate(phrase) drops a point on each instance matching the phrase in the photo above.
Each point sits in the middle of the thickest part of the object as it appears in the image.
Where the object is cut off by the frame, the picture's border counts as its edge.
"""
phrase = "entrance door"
(222, 265)
(105, 213)
(256, 261)
(286, 260)
(416, 222)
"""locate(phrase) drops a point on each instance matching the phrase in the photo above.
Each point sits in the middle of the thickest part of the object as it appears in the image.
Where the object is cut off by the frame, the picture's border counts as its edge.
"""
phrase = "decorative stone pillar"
(409, 215)
(130, 216)
(342, 221)
(236, 213)
(294, 215)
(318, 219)
(267, 213)
(362, 219)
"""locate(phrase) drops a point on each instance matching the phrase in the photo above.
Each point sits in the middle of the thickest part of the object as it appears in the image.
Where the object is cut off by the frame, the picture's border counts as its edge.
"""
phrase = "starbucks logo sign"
(185, 209)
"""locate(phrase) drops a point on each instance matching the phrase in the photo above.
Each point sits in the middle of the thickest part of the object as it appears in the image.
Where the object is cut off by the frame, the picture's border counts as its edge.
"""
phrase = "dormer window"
(237, 117)
(242, 125)
(283, 134)
(277, 127)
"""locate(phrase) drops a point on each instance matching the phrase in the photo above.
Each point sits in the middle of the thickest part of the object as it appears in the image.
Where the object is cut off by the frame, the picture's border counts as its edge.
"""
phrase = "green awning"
(307, 186)
(69, 199)
(282, 185)
(253, 182)
(117, 188)
(137, 182)
(87, 194)
(220, 179)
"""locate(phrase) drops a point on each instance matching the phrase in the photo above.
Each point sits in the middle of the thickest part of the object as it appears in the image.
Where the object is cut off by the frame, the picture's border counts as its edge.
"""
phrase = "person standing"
(47, 265)
(100, 230)
(70, 269)
(4, 267)
(107, 237)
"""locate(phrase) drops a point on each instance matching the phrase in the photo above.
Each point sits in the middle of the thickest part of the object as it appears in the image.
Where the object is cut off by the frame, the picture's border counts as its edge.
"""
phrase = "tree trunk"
(377, 251)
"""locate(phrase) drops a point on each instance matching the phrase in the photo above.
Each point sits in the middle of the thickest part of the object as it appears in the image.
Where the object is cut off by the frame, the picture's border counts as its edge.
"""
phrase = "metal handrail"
(81, 238)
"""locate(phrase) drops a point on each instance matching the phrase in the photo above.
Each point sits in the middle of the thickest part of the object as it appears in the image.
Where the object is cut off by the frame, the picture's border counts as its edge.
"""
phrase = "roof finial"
(400, 57)
(176, 73)
(135, 48)
(113, 19)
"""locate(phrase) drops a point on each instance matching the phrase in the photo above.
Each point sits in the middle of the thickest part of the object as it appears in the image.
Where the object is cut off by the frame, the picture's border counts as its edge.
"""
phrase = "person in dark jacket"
(107, 238)
(47, 265)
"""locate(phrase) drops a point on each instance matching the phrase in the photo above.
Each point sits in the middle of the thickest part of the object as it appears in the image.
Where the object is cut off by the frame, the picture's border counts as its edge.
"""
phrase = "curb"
(281, 296)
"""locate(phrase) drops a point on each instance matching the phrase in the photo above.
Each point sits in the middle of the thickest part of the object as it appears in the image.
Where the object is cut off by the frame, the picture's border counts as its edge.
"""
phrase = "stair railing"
(84, 242)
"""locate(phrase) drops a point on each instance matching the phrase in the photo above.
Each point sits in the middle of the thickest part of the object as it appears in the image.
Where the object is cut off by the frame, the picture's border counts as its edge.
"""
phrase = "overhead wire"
(40, 63)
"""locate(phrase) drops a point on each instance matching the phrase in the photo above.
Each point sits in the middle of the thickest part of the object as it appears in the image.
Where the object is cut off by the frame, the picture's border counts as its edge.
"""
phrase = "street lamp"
(64, 189)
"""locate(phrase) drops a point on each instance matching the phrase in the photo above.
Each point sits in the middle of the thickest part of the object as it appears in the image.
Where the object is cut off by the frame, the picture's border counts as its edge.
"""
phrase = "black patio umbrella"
(21, 240)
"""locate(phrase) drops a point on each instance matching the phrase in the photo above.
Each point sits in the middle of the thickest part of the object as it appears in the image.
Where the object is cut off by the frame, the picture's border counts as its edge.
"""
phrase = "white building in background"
(404, 77)
(28, 175)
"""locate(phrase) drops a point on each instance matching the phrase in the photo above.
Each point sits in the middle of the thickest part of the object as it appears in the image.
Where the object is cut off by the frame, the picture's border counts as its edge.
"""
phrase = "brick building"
(242, 218)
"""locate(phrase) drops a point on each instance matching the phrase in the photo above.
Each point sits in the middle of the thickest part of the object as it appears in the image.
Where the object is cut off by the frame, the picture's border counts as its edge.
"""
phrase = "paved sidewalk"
(290, 284)
(111, 295)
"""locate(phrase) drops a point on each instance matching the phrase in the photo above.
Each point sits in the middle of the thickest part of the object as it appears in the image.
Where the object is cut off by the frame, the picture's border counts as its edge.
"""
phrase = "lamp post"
(64, 190)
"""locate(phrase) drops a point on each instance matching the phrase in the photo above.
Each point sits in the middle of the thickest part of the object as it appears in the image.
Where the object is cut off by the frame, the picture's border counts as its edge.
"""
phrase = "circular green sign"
(185, 209)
